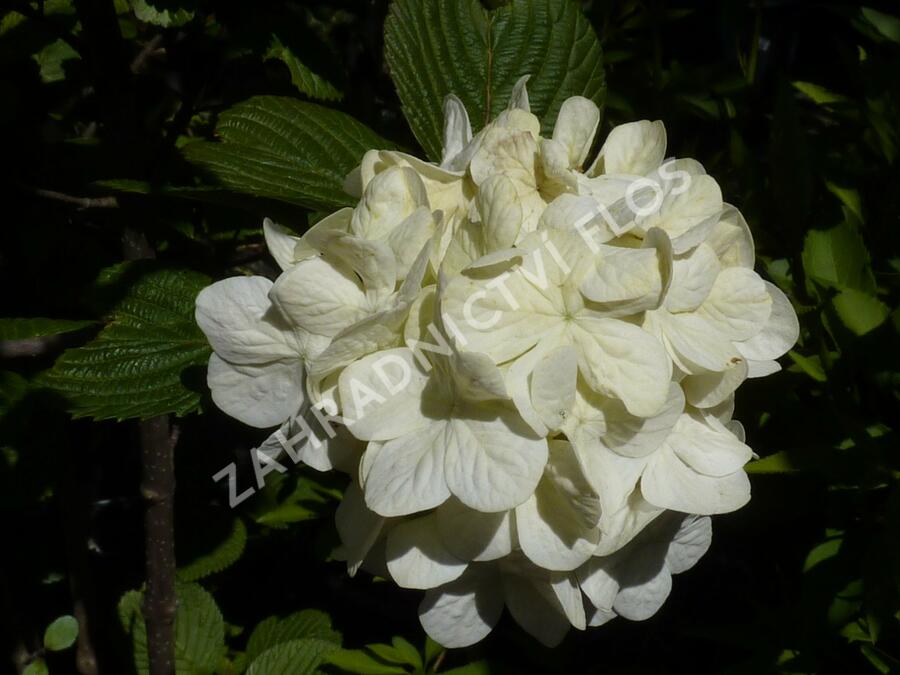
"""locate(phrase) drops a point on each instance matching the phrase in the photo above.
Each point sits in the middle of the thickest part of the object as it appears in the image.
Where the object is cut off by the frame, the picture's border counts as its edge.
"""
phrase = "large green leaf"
(199, 631)
(441, 47)
(297, 657)
(307, 623)
(136, 366)
(285, 149)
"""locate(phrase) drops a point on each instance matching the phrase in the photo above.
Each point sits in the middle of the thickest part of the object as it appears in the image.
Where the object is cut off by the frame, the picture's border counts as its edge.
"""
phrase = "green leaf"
(811, 365)
(61, 634)
(23, 329)
(36, 667)
(287, 150)
(838, 258)
(199, 631)
(363, 662)
(819, 94)
(860, 311)
(457, 47)
(222, 556)
(51, 60)
(778, 463)
(887, 25)
(297, 657)
(476, 668)
(307, 81)
(307, 623)
(135, 366)
(157, 13)
(410, 654)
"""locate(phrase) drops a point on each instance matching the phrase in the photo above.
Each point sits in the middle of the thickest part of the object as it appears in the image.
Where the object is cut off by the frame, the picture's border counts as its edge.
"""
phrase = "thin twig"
(137, 65)
(158, 489)
(11, 349)
(80, 202)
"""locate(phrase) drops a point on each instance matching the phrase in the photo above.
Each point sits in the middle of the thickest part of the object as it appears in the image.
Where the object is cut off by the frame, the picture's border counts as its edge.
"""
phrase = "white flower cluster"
(533, 364)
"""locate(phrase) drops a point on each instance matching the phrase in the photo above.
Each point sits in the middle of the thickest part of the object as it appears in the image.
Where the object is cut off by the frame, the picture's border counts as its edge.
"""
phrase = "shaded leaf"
(457, 47)
(287, 150)
(307, 623)
(134, 367)
(297, 657)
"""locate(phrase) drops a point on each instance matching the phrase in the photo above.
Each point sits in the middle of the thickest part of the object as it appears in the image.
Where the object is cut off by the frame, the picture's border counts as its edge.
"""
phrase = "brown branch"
(11, 349)
(151, 48)
(158, 489)
(80, 202)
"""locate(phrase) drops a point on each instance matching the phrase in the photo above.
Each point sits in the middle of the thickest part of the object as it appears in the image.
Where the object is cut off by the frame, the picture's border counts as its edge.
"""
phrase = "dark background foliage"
(793, 106)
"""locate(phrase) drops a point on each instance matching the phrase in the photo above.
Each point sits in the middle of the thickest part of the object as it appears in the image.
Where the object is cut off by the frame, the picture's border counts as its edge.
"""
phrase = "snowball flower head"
(530, 361)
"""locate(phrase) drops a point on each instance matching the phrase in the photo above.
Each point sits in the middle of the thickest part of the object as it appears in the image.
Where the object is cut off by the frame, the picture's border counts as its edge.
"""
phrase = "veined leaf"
(457, 47)
(134, 367)
(222, 556)
(297, 657)
(307, 623)
(307, 81)
(199, 630)
(23, 329)
(287, 150)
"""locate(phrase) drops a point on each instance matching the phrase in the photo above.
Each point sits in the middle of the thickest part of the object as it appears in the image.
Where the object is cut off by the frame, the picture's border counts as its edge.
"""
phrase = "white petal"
(261, 396)
(407, 475)
(493, 460)
(234, 315)
(553, 386)
(731, 239)
(778, 335)
(691, 542)
(518, 98)
(626, 280)
(621, 360)
(686, 215)
(358, 526)
(597, 582)
(500, 211)
(567, 592)
(477, 378)
(535, 607)
(416, 557)
(693, 277)
(319, 296)
(463, 612)
(636, 148)
(706, 390)
(633, 436)
(575, 128)
(280, 242)
(389, 198)
(457, 129)
(712, 452)
(761, 368)
(696, 344)
(474, 535)
(640, 597)
(408, 238)
(382, 395)
(738, 304)
(551, 526)
(671, 484)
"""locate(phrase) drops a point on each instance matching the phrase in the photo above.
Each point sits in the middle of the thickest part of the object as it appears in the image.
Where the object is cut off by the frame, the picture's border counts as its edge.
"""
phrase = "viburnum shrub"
(525, 361)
